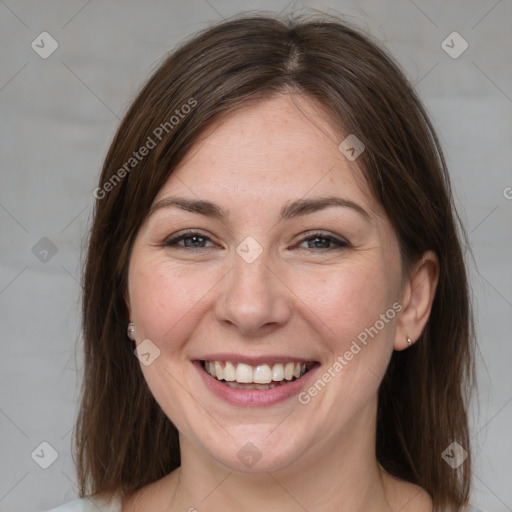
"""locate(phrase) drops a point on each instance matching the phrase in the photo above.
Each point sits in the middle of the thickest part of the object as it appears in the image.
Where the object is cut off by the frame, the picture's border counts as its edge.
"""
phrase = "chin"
(259, 450)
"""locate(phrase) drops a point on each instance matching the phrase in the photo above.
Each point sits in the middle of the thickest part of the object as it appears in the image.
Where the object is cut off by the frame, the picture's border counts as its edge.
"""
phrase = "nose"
(254, 298)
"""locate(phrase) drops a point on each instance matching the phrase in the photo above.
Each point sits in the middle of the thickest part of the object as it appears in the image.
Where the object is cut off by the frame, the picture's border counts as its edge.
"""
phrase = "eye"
(193, 239)
(324, 241)
(198, 240)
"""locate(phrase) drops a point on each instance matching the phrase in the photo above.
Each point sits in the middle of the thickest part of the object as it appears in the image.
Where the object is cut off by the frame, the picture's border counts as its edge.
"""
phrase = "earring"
(409, 341)
(131, 331)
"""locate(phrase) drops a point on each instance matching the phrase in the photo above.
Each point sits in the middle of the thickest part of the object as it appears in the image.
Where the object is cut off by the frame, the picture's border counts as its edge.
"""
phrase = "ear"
(417, 298)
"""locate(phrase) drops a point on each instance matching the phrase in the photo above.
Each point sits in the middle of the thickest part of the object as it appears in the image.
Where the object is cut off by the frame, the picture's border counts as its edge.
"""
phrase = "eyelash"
(340, 244)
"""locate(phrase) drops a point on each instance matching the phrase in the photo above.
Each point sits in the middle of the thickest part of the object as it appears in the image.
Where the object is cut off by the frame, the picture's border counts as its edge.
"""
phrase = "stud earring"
(409, 341)
(131, 331)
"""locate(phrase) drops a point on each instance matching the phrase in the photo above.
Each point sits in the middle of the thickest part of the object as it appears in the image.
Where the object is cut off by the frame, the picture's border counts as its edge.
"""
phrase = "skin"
(295, 299)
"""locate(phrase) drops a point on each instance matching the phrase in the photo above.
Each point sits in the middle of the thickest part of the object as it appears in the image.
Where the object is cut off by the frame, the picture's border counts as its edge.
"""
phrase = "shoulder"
(90, 504)
(406, 496)
(414, 498)
(71, 506)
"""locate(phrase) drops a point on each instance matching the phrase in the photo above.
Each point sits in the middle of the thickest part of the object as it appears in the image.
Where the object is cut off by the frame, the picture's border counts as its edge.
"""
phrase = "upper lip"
(254, 360)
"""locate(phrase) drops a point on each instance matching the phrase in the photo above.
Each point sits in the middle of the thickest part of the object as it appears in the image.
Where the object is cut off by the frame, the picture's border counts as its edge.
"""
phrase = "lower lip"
(254, 397)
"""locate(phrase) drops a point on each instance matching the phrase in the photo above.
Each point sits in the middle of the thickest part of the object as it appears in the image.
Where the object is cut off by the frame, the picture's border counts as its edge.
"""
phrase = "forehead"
(282, 147)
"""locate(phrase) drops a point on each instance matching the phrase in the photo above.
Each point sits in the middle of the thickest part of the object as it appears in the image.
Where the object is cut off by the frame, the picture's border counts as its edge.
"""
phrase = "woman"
(275, 241)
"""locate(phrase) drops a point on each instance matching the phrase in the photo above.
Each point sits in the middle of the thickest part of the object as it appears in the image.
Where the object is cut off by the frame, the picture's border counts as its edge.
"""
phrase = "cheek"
(166, 299)
(349, 299)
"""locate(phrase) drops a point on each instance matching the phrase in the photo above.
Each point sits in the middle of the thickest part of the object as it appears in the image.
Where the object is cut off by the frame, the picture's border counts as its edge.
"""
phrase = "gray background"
(58, 116)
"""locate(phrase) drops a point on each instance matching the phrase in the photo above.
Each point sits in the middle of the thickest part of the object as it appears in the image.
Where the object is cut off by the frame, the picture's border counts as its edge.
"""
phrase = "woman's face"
(270, 279)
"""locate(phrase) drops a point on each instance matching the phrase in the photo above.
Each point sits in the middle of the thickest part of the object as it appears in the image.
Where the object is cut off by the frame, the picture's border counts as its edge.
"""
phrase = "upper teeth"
(261, 374)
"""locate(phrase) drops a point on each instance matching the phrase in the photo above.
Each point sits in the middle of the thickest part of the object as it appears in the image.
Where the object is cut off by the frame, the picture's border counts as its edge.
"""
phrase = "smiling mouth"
(261, 377)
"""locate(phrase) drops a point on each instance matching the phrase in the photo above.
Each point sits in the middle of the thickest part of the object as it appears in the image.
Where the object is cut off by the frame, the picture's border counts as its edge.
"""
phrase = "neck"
(340, 474)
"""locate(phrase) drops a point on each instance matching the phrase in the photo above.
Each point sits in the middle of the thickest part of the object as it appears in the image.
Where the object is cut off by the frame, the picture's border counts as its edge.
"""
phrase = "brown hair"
(123, 439)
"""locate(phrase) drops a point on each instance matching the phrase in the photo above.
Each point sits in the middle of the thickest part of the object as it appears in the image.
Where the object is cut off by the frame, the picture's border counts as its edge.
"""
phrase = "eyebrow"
(292, 210)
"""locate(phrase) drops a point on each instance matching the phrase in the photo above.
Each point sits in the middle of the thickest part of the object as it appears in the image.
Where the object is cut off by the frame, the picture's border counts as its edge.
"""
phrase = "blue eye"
(321, 240)
(192, 239)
